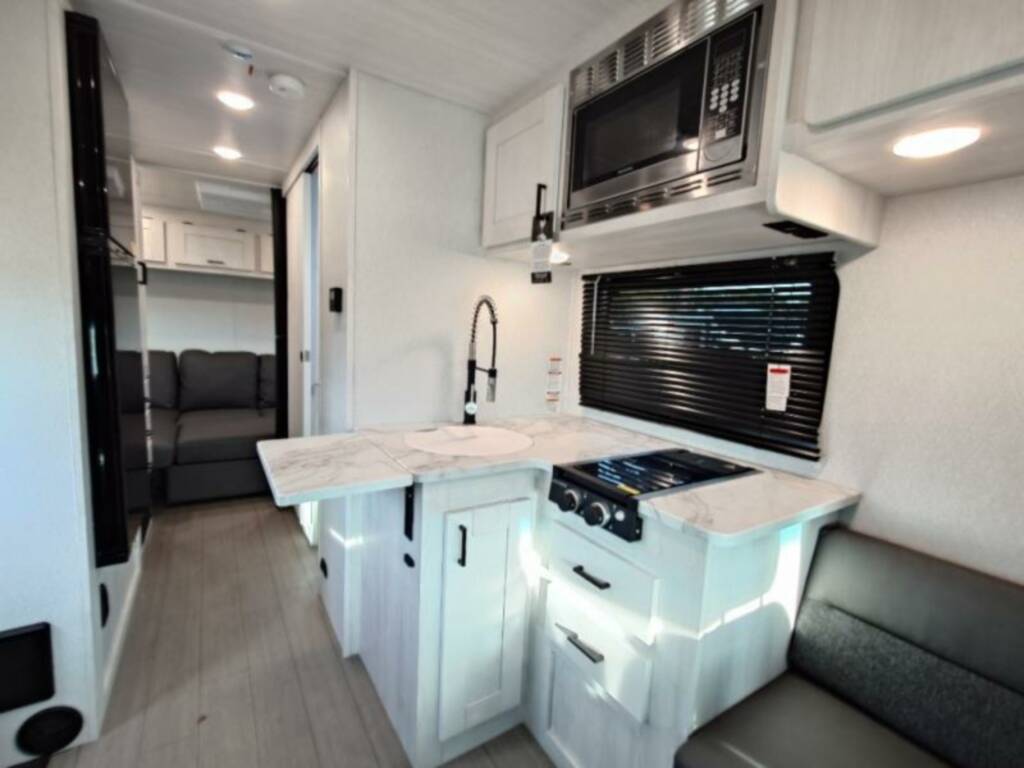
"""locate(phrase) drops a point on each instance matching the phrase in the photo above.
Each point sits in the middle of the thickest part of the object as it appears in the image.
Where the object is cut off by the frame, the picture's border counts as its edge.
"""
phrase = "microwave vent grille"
(668, 32)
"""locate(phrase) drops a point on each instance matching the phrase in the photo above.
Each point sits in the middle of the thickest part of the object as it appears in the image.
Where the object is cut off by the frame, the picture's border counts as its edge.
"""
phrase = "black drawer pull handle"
(214, 261)
(462, 554)
(593, 655)
(601, 584)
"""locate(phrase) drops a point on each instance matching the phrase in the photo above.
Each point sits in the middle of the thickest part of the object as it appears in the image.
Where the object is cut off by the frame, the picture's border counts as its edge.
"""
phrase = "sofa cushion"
(268, 381)
(129, 382)
(164, 435)
(217, 380)
(222, 434)
(163, 379)
(930, 649)
(792, 723)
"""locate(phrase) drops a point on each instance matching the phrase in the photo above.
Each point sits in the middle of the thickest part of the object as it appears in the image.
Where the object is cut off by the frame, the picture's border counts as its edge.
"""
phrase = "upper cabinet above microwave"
(672, 147)
(869, 72)
(523, 150)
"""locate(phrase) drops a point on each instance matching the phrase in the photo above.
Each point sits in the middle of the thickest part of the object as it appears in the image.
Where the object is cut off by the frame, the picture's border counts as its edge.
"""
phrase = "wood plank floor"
(229, 660)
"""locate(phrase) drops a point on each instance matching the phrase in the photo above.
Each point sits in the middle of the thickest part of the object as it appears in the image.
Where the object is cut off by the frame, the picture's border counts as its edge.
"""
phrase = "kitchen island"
(476, 604)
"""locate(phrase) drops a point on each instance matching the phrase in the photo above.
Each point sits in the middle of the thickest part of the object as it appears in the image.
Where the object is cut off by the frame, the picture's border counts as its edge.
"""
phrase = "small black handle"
(214, 261)
(143, 273)
(601, 584)
(593, 655)
(462, 555)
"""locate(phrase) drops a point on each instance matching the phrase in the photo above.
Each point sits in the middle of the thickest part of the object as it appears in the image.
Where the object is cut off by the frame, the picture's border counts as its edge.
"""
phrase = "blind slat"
(689, 346)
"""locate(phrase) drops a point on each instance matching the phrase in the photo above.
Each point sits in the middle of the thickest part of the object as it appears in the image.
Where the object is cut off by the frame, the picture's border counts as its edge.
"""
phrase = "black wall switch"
(334, 300)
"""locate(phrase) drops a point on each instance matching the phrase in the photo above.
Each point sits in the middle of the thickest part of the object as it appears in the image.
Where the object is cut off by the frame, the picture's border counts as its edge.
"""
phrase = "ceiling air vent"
(634, 55)
(796, 230)
(233, 199)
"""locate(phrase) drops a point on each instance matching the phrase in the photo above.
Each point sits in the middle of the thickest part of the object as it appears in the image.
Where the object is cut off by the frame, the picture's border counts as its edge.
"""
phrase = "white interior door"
(303, 231)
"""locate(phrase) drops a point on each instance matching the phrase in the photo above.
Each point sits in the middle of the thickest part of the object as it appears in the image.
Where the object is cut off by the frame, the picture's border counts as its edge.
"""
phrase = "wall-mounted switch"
(334, 299)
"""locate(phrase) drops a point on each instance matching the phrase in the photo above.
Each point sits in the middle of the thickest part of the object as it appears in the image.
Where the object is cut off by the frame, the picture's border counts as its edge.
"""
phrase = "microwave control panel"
(725, 98)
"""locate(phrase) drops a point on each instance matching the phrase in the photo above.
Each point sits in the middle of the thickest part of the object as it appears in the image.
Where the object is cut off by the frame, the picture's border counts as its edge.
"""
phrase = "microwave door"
(642, 133)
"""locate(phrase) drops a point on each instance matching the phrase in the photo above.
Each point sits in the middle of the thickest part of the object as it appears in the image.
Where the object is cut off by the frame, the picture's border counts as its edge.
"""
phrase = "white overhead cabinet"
(875, 54)
(870, 72)
(523, 150)
(266, 253)
(153, 242)
(217, 248)
(200, 243)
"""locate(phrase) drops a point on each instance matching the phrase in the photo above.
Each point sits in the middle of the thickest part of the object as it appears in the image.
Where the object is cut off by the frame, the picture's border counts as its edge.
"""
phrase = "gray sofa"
(897, 659)
(208, 410)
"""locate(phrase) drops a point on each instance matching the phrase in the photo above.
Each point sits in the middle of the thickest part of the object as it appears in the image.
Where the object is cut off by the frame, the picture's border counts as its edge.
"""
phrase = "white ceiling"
(479, 53)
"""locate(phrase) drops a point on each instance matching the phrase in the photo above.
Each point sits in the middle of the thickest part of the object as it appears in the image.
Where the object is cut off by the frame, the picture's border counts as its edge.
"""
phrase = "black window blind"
(690, 346)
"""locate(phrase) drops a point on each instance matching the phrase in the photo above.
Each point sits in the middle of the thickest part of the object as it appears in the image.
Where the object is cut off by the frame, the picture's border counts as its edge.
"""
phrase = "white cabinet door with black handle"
(523, 150)
(484, 615)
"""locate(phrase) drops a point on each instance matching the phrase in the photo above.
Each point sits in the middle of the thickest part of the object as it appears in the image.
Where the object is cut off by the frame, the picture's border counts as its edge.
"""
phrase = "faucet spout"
(469, 407)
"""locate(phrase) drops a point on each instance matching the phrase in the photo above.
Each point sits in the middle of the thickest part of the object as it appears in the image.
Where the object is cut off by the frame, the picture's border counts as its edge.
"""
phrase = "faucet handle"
(492, 384)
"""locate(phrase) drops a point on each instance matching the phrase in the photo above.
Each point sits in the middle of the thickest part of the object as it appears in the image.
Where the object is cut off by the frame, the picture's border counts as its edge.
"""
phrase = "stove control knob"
(597, 514)
(570, 501)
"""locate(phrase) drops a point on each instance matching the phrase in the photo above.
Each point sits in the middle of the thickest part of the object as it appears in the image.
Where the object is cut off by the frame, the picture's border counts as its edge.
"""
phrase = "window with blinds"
(691, 347)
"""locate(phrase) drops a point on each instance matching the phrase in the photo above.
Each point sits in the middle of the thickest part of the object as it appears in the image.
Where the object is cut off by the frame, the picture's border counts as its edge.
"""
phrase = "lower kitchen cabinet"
(484, 615)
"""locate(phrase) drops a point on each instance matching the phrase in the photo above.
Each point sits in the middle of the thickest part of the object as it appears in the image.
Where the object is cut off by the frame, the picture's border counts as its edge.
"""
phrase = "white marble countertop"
(316, 468)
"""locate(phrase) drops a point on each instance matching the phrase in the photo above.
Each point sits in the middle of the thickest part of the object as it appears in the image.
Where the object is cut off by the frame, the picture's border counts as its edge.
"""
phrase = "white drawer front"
(218, 248)
(600, 655)
(624, 591)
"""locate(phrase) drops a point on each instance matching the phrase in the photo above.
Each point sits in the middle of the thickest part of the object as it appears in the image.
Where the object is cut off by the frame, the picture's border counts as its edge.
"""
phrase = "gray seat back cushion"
(928, 648)
(217, 380)
(268, 381)
(163, 379)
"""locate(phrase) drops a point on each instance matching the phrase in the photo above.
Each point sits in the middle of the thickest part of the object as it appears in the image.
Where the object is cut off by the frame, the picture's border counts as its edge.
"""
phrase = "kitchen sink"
(471, 440)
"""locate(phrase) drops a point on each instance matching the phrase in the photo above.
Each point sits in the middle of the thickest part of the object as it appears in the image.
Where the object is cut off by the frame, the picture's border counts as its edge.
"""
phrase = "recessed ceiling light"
(558, 256)
(286, 86)
(940, 141)
(237, 101)
(238, 50)
(228, 153)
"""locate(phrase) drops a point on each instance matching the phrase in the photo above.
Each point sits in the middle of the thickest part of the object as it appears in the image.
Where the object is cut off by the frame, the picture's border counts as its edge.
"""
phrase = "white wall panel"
(212, 312)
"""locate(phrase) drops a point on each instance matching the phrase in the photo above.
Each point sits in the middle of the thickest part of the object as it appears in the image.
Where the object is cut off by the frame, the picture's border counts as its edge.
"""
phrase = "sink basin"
(468, 441)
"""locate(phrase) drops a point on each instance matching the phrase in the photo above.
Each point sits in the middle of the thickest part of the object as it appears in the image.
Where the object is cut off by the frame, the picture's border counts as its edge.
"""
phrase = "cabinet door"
(483, 624)
(217, 248)
(153, 243)
(266, 255)
(869, 54)
(523, 150)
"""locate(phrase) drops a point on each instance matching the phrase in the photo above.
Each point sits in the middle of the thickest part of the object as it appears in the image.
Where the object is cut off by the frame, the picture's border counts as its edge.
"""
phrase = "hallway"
(229, 660)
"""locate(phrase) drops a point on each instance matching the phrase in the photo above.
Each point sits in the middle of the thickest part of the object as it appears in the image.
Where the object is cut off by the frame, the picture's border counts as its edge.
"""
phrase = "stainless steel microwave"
(672, 111)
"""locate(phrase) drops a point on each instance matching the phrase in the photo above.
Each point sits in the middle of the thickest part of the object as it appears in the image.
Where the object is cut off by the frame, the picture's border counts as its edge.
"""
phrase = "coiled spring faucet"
(469, 406)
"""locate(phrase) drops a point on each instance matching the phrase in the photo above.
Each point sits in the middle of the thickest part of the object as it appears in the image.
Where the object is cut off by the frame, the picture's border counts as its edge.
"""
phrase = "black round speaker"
(49, 730)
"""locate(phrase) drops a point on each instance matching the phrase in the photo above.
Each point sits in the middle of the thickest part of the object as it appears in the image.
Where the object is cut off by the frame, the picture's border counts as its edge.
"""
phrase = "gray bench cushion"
(165, 431)
(211, 380)
(931, 649)
(163, 379)
(222, 434)
(792, 723)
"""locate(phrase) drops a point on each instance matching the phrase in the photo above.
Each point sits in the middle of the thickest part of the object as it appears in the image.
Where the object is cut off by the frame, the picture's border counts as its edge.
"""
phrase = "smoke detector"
(286, 86)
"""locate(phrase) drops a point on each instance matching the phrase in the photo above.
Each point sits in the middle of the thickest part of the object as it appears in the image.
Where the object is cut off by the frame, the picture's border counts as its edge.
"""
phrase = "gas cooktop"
(605, 493)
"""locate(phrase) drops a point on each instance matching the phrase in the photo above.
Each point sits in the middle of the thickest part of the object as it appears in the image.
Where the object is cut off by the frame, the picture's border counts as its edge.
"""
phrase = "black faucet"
(469, 403)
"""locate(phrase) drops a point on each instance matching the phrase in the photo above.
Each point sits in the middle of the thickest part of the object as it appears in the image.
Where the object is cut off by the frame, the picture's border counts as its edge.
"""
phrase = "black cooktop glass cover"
(651, 473)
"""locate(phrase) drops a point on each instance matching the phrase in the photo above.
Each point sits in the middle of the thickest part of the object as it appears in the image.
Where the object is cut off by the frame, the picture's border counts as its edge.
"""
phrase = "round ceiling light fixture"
(227, 153)
(236, 101)
(940, 141)
(287, 86)
(238, 50)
